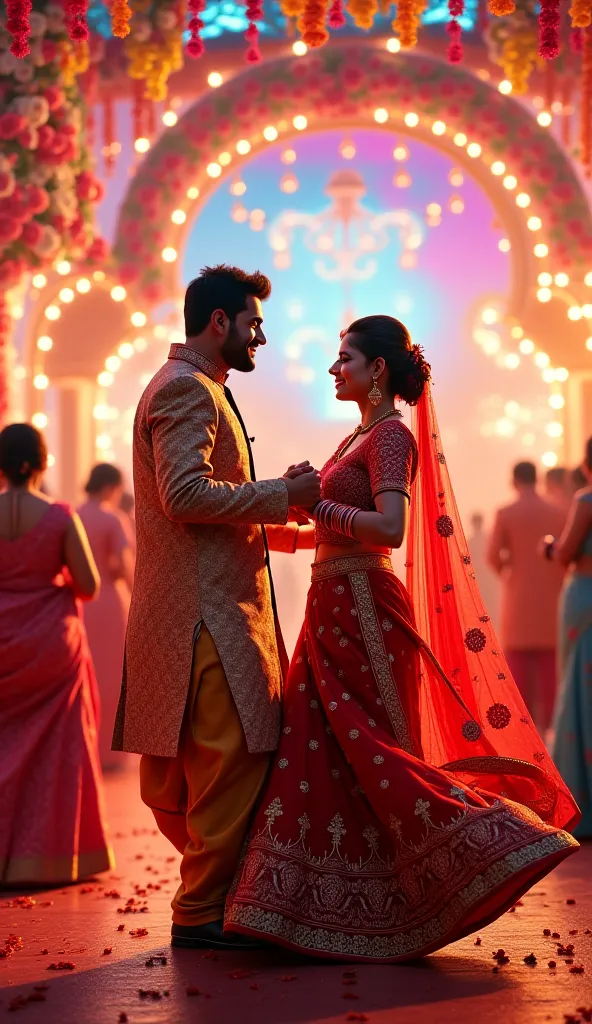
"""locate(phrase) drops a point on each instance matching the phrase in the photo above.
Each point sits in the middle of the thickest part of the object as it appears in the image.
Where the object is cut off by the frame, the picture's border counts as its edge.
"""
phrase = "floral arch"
(527, 175)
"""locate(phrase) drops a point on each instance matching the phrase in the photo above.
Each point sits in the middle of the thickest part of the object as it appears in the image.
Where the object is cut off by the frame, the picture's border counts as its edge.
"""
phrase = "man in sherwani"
(204, 660)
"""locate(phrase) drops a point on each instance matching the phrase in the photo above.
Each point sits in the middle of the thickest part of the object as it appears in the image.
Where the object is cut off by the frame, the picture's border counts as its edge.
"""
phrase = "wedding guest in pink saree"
(52, 827)
(411, 800)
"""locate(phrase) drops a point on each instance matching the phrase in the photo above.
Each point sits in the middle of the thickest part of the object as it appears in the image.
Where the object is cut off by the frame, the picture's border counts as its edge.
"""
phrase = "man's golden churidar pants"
(202, 799)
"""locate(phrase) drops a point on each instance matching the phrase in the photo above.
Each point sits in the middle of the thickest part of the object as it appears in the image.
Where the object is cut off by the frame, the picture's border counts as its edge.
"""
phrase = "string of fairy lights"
(508, 352)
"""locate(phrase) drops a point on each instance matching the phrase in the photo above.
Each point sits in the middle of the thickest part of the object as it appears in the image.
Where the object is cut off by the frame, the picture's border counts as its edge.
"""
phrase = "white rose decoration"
(7, 187)
(34, 108)
(65, 203)
(8, 62)
(37, 24)
(141, 28)
(166, 19)
(37, 53)
(24, 71)
(40, 174)
(55, 18)
(49, 244)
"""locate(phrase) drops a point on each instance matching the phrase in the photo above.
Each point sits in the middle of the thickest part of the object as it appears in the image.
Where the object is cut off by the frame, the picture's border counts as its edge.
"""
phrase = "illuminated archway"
(518, 163)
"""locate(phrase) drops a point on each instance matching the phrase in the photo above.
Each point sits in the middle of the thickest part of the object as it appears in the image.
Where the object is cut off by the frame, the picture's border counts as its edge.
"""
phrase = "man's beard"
(234, 351)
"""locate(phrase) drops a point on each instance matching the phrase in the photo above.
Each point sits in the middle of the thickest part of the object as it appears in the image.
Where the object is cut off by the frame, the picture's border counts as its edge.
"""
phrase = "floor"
(111, 933)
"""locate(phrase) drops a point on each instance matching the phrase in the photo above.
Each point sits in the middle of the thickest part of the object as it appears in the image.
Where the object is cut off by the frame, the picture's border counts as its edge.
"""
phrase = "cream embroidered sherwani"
(201, 557)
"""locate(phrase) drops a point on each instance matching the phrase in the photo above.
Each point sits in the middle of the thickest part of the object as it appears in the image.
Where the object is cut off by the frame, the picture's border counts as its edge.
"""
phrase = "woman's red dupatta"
(473, 719)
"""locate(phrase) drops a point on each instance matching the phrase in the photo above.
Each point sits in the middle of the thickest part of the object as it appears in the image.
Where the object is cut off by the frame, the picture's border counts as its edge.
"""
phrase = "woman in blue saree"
(572, 751)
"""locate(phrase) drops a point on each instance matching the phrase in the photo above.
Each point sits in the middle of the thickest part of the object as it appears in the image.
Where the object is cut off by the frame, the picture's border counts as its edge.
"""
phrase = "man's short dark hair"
(221, 287)
(556, 477)
(525, 473)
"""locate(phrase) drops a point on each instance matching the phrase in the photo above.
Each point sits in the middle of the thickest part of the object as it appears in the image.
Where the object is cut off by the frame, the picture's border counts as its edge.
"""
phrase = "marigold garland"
(501, 7)
(121, 13)
(77, 25)
(311, 23)
(108, 135)
(17, 24)
(456, 9)
(519, 58)
(364, 12)
(292, 8)
(581, 13)
(254, 14)
(407, 21)
(195, 46)
(549, 20)
(336, 17)
(586, 103)
(155, 44)
(566, 100)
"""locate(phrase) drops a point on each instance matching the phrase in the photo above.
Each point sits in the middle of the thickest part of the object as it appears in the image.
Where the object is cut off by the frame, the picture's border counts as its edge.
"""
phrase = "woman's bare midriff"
(327, 551)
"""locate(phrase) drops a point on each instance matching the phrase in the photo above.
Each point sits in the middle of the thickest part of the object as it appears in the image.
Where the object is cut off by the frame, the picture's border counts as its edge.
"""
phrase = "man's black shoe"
(210, 936)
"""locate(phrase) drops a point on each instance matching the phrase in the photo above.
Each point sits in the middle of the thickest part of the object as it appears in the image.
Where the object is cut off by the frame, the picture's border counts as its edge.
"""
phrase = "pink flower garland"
(336, 18)
(195, 46)
(77, 26)
(254, 14)
(17, 23)
(455, 50)
(549, 20)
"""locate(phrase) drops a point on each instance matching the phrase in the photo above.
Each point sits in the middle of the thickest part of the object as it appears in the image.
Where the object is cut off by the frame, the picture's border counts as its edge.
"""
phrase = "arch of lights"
(203, 148)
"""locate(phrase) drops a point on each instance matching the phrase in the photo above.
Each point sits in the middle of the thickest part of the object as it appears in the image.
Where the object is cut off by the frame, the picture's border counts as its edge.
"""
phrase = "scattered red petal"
(356, 1016)
(570, 903)
(62, 965)
(576, 969)
(552, 964)
(107, 950)
(17, 1003)
(44, 952)
(556, 935)
(123, 1018)
(478, 940)
(530, 960)
(120, 927)
(495, 970)
(574, 931)
(139, 933)
(546, 931)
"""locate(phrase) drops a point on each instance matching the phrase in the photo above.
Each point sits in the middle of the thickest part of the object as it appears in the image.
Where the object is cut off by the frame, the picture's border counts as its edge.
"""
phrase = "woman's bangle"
(335, 517)
(549, 547)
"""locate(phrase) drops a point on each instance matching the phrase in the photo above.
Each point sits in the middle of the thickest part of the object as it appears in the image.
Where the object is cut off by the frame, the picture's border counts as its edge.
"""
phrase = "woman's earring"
(375, 395)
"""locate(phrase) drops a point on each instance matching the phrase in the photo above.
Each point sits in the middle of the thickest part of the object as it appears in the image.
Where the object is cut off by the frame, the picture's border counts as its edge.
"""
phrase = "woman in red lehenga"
(411, 800)
(52, 827)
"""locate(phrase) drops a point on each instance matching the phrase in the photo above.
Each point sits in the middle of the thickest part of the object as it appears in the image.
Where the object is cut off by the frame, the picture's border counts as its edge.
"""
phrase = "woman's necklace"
(364, 430)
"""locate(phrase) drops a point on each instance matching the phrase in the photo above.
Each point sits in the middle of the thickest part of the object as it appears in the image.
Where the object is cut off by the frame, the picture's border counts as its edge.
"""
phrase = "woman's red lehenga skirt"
(359, 849)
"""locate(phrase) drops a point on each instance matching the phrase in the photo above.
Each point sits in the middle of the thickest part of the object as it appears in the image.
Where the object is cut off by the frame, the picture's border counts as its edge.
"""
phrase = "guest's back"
(48, 700)
(530, 584)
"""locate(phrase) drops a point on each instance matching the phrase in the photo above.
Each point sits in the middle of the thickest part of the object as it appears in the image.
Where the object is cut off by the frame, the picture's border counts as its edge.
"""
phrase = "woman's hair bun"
(387, 338)
(417, 376)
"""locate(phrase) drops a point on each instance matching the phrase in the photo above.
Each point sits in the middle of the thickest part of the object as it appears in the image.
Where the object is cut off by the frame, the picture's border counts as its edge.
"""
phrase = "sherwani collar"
(202, 362)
